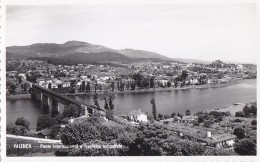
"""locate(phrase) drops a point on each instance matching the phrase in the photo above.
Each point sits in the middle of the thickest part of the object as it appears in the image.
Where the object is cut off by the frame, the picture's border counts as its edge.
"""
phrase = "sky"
(195, 30)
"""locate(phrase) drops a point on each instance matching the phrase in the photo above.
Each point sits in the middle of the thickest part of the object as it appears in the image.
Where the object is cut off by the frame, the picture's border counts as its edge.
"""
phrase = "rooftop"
(136, 113)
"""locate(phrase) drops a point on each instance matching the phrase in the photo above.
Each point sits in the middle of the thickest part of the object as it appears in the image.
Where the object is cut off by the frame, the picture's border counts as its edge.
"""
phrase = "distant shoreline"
(235, 107)
(27, 96)
(160, 89)
(17, 97)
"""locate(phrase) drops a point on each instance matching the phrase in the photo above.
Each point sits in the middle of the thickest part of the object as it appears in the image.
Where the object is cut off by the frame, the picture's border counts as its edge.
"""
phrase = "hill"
(76, 51)
(195, 61)
(56, 50)
(141, 54)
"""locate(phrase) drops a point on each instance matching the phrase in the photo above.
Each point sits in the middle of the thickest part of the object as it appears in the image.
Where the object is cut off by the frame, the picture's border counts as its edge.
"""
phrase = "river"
(167, 102)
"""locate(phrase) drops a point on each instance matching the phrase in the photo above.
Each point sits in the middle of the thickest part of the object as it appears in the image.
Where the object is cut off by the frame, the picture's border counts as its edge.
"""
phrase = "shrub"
(240, 114)
(200, 119)
(253, 122)
(196, 123)
(22, 122)
(71, 110)
(45, 121)
(245, 147)
(239, 132)
(11, 128)
(237, 121)
(207, 124)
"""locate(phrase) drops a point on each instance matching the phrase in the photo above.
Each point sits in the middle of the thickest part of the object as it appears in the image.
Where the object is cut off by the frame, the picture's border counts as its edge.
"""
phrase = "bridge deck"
(61, 96)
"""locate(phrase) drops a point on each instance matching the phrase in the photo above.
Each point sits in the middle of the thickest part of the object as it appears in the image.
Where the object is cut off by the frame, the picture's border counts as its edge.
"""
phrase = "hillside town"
(86, 78)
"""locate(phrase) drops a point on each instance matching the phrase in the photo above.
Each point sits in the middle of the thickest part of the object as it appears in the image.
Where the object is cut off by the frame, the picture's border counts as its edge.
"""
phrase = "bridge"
(55, 102)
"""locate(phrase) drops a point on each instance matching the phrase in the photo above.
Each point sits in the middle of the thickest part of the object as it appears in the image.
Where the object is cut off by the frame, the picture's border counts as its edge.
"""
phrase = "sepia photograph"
(131, 79)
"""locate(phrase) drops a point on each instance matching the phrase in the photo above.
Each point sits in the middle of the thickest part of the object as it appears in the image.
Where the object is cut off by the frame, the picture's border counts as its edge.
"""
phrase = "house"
(186, 119)
(138, 116)
(22, 75)
(221, 140)
(45, 133)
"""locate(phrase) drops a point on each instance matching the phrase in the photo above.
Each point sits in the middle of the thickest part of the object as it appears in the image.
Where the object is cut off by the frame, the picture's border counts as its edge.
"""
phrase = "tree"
(207, 124)
(109, 105)
(55, 131)
(188, 113)
(83, 86)
(240, 114)
(237, 121)
(132, 85)
(45, 121)
(254, 110)
(160, 116)
(112, 86)
(245, 147)
(71, 110)
(88, 87)
(239, 132)
(95, 100)
(106, 107)
(22, 122)
(152, 82)
(253, 122)
(77, 134)
(184, 75)
(11, 87)
(110, 112)
(153, 108)
(247, 111)
(11, 128)
(173, 115)
(19, 79)
(200, 119)
(169, 83)
(188, 148)
(107, 133)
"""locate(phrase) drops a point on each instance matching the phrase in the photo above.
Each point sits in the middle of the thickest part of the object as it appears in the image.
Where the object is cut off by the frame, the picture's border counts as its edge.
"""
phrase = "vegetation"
(109, 105)
(71, 110)
(154, 111)
(239, 132)
(95, 100)
(250, 110)
(13, 129)
(22, 122)
(45, 121)
(245, 147)
(147, 140)
(240, 114)
(253, 122)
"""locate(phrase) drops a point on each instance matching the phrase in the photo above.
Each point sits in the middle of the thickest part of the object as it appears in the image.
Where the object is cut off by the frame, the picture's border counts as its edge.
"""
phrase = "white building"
(138, 116)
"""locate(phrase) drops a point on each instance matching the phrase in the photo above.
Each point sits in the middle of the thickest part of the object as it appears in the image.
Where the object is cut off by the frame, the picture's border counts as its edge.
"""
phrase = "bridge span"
(55, 102)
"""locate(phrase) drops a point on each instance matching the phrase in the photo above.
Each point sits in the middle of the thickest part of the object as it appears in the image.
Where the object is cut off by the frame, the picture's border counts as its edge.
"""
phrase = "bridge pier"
(84, 110)
(38, 96)
(33, 94)
(50, 105)
(45, 101)
(55, 107)
(60, 108)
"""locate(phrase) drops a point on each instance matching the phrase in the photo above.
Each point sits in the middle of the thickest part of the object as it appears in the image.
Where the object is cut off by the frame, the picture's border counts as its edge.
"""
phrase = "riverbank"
(233, 108)
(17, 97)
(160, 89)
